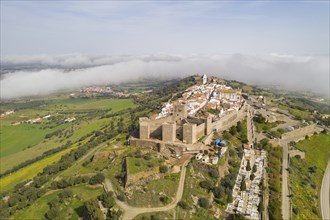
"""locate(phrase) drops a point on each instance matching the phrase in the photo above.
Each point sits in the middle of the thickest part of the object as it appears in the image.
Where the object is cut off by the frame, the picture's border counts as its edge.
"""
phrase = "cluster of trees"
(54, 133)
(274, 170)
(240, 131)
(70, 181)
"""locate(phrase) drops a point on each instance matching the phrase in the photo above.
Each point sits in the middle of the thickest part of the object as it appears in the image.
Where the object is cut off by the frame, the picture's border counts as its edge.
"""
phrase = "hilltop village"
(198, 148)
(201, 109)
(186, 126)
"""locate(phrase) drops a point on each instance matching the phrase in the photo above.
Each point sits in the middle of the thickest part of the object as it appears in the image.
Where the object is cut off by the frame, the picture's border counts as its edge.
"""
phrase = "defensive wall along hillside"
(230, 119)
(300, 132)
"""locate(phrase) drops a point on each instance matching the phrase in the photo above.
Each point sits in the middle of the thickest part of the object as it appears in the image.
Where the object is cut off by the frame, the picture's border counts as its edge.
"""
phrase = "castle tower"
(180, 112)
(189, 133)
(169, 131)
(204, 79)
(208, 124)
(144, 128)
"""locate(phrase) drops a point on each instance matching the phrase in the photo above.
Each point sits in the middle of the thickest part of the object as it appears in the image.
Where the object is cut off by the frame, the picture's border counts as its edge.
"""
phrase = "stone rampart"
(300, 132)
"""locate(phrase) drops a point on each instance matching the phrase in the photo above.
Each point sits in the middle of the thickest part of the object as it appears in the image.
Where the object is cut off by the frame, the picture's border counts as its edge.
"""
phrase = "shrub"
(163, 169)
(214, 173)
(147, 157)
(164, 199)
(121, 197)
(182, 204)
(204, 203)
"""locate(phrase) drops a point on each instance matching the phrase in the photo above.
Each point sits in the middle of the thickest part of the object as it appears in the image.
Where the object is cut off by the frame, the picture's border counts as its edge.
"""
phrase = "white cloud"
(293, 72)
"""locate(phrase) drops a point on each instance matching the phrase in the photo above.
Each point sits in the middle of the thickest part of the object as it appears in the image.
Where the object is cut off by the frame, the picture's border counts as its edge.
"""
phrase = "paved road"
(325, 194)
(130, 211)
(285, 185)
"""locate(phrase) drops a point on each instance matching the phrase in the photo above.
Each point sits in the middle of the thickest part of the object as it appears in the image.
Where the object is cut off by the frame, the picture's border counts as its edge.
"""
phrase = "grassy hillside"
(306, 176)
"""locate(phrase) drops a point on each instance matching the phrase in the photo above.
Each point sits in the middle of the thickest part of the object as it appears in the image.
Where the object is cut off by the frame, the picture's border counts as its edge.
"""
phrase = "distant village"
(102, 90)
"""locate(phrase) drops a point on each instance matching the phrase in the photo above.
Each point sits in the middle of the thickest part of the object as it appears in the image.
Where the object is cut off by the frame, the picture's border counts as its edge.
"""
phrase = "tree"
(239, 126)
(66, 193)
(121, 197)
(214, 173)
(107, 199)
(243, 185)
(236, 217)
(97, 179)
(218, 191)
(248, 166)
(206, 184)
(184, 205)
(53, 213)
(232, 130)
(254, 168)
(204, 203)
(93, 210)
(164, 199)
(163, 169)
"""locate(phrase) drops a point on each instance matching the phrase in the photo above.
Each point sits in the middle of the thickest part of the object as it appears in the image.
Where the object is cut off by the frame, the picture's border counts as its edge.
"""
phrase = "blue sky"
(151, 27)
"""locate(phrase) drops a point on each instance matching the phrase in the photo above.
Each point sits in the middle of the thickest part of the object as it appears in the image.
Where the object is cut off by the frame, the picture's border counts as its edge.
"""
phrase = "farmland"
(25, 141)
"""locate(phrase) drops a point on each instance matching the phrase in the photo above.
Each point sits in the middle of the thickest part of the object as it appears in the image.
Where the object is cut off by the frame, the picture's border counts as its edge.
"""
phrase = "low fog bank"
(291, 72)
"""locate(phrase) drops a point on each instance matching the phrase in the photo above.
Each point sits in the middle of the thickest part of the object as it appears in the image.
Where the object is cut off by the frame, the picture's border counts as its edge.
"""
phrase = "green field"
(80, 104)
(28, 172)
(75, 206)
(306, 176)
(17, 138)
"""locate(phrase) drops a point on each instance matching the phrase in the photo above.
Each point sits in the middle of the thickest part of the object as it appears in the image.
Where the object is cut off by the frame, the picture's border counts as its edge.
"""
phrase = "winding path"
(325, 194)
(130, 211)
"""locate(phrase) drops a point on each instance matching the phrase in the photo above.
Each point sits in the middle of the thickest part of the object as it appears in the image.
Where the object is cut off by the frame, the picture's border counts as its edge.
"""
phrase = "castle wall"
(300, 132)
(197, 121)
(145, 143)
(230, 119)
(144, 130)
(152, 128)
